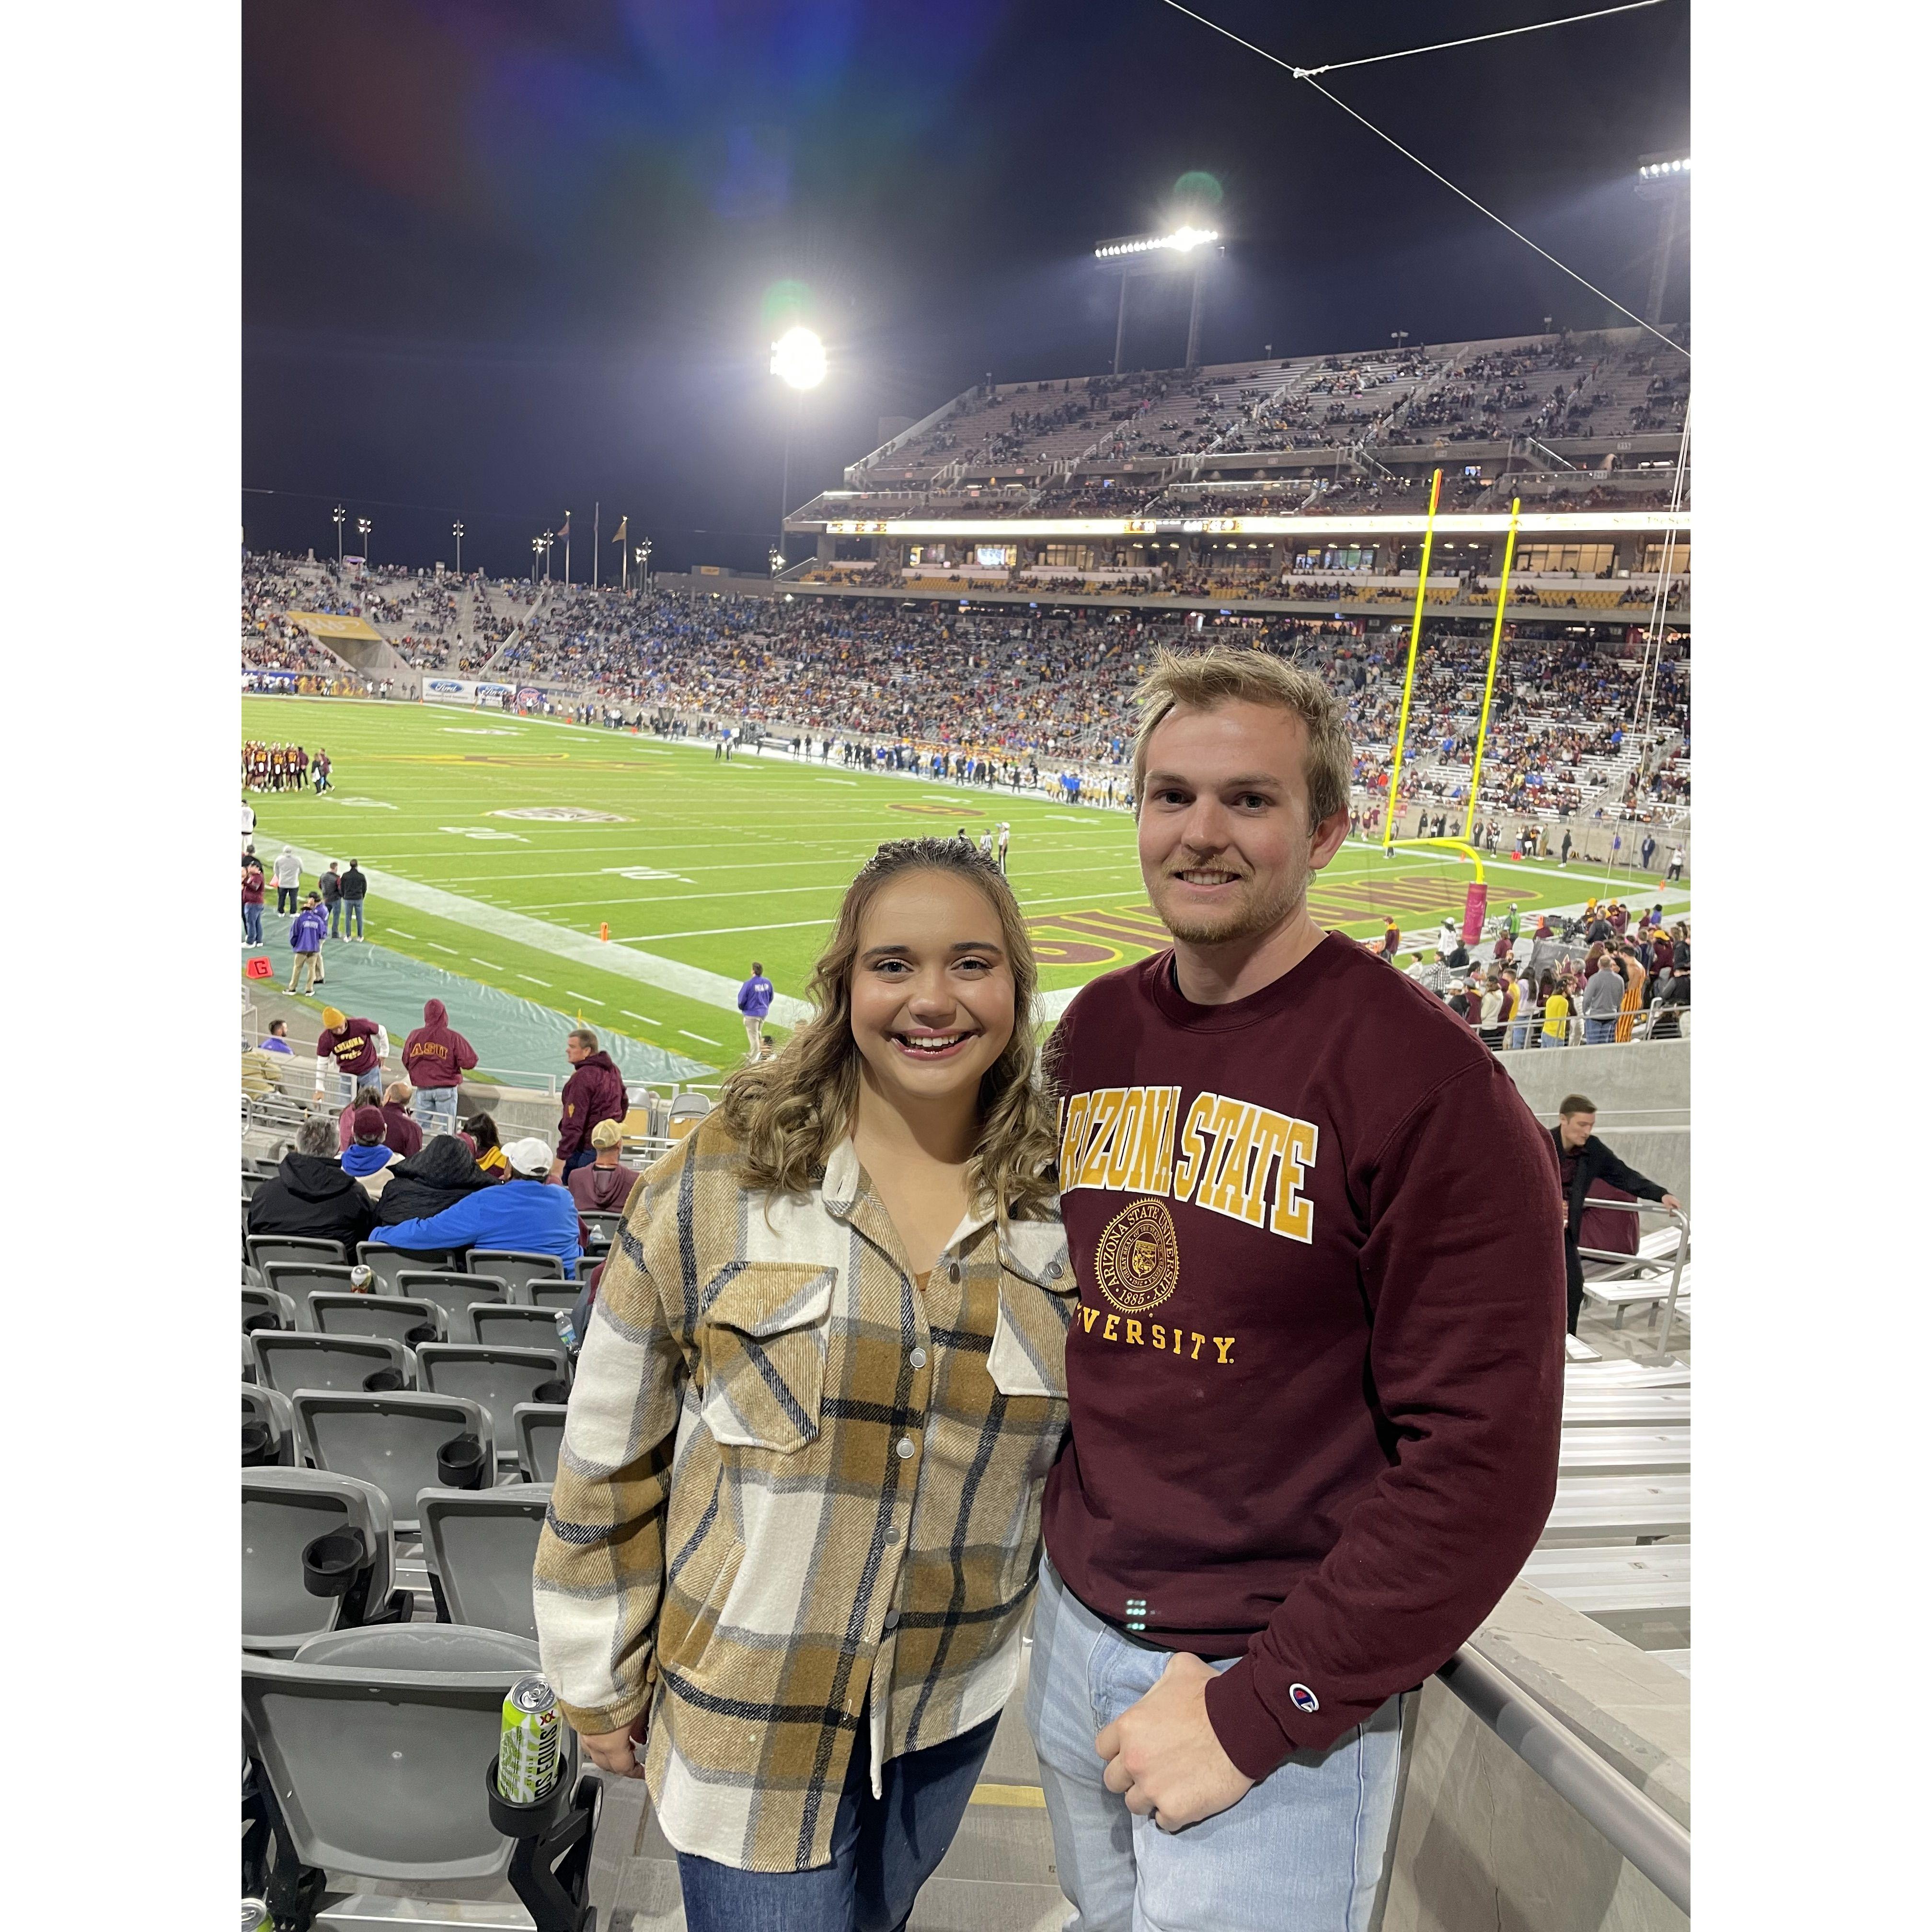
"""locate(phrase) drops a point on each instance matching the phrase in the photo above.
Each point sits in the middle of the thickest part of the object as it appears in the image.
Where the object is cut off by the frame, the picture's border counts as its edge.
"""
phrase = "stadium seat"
(376, 1744)
(481, 1546)
(270, 1408)
(539, 1434)
(496, 1326)
(553, 1295)
(495, 1379)
(282, 1512)
(342, 1362)
(262, 1249)
(451, 1293)
(603, 1228)
(385, 1263)
(1612, 1509)
(268, 1301)
(395, 1317)
(300, 1279)
(516, 1270)
(389, 1440)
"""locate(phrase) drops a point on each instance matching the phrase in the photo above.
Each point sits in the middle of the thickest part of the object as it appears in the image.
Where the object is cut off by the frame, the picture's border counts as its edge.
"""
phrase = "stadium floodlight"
(1182, 240)
(798, 358)
(1664, 178)
(363, 527)
(776, 559)
(456, 531)
(1653, 170)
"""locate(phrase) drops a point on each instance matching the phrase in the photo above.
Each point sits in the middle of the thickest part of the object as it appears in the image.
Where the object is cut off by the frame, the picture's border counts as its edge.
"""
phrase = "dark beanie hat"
(370, 1124)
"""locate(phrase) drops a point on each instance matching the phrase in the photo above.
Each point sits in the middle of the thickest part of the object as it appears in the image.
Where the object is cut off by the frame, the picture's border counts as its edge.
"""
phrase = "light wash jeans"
(1599, 1033)
(1303, 1850)
(436, 1108)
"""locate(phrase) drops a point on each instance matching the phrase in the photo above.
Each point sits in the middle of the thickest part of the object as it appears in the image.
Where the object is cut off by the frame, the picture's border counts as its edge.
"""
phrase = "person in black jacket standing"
(1584, 1159)
(354, 888)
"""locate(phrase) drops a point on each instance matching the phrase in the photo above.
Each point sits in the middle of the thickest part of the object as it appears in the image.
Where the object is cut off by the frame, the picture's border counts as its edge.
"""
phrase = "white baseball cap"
(528, 1157)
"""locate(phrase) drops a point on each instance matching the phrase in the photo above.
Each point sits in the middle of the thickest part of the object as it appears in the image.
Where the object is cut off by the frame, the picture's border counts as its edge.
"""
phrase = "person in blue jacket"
(754, 1001)
(523, 1214)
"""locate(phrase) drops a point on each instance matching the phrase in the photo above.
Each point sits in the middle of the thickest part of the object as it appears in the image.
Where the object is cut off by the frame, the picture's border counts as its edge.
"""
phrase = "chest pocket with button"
(761, 1344)
(1028, 1356)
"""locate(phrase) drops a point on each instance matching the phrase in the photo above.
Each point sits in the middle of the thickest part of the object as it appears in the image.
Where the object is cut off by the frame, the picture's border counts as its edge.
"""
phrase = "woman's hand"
(613, 1751)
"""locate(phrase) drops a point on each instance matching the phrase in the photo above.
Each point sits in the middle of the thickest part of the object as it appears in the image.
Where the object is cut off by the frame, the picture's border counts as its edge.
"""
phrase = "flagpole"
(566, 550)
(596, 537)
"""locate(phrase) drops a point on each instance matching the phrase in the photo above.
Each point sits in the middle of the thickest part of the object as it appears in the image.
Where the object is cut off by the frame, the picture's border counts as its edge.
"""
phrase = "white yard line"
(704, 1036)
(584, 996)
(534, 982)
(645, 1017)
(669, 976)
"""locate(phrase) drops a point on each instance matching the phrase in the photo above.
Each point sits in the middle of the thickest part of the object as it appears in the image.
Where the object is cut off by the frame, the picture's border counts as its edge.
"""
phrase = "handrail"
(1634, 1824)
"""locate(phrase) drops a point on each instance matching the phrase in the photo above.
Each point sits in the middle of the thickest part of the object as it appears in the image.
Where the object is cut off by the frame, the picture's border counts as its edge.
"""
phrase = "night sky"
(501, 260)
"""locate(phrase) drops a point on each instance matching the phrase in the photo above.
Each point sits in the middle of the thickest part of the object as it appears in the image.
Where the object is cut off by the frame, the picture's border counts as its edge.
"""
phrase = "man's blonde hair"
(1202, 680)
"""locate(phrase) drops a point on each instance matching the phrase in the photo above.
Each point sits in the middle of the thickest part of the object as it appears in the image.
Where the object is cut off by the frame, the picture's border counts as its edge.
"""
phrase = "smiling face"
(1226, 846)
(932, 999)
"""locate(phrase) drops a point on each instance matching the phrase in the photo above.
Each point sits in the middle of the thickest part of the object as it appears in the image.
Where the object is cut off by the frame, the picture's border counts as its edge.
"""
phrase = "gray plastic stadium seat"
(283, 1511)
(482, 1544)
(389, 1440)
(497, 1326)
(268, 1301)
(603, 1228)
(386, 1263)
(452, 1294)
(516, 1271)
(269, 1405)
(341, 1362)
(392, 1316)
(248, 1359)
(300, 1279)
(376, 1742)
(539, 1433)
(250, 1182)
(497, 1379)
(555, 1295)
(262, 1249)
(690, 1107)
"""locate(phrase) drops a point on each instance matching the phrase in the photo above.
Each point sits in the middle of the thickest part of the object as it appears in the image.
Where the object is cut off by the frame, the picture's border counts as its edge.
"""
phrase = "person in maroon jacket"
(435, 1058)
(353, 1048)
(1315, 1376)
(401, 1134)
(594, 1092)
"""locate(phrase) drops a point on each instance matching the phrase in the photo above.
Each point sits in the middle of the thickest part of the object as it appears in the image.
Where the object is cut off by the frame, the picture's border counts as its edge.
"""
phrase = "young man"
(594, 1092)
(435, 1058)
(305, 935)
(1583, 1159)
(330, 886)
(754, 1001)
(1316, 1375)
(276, 1039)
(354, 1048)
(288, 879)
(354, 888)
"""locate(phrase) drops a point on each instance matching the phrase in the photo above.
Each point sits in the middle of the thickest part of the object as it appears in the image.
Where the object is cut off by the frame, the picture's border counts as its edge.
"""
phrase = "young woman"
(796, 1522)
(482, 1128)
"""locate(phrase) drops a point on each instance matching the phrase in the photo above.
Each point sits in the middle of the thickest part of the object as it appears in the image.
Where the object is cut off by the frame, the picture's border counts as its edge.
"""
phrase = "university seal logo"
(1138, 1261)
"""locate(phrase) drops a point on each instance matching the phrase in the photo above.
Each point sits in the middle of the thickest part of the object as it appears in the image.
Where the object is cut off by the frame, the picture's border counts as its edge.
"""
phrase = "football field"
(498, 849)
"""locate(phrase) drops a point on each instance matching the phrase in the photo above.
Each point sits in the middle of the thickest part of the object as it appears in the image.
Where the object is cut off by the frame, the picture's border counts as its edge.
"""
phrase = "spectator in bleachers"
(480, 1130)
(1601, 1001)
(400, 1133)
(442, 1174)
(594, 1092)
(352, 1049)
(369, 1095)
(276, 1040)
(1584, 1160)
(524, 1213)
(310, 1195)
(604, 1186)
(368, 1156)
(901, 1135)
(435, 1057)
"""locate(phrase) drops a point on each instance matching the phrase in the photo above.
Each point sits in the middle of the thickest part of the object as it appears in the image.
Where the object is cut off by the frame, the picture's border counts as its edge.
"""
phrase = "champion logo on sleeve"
(1304, 1699)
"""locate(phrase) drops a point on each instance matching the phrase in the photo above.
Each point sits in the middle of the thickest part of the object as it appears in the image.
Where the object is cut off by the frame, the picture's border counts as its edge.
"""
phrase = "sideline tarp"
(510, 1035)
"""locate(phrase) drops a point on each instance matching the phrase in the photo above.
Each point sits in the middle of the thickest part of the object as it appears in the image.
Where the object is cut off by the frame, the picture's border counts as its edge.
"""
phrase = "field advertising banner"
(464, 690)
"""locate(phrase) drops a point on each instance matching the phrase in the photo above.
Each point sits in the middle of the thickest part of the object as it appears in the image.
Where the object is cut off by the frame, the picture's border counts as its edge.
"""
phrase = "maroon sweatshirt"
(436, 1055)
(595, 1092)
(401, 1134)
(352, 1044)
(1316, 1372)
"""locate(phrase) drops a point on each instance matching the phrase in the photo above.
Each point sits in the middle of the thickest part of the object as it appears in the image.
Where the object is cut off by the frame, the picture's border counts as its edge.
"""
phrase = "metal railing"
(1627, 1268)
(1634, 1825)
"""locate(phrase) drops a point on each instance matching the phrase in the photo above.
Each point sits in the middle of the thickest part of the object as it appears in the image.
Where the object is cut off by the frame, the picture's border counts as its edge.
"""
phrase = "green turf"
(755, 853)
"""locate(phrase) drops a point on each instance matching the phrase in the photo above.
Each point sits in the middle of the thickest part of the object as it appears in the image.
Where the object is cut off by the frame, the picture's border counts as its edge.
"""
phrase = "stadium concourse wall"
(1642, 1092)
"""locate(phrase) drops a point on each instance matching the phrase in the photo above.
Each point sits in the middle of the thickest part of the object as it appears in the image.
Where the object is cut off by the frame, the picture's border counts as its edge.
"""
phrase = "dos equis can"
(531, 1743)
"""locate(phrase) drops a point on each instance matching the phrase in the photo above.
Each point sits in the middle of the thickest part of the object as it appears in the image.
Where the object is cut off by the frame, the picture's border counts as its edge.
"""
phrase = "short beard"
(1240, 921)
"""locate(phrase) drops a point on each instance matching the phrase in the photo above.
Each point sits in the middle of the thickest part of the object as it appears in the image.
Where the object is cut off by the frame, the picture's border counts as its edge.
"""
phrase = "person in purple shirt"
(754, 1001)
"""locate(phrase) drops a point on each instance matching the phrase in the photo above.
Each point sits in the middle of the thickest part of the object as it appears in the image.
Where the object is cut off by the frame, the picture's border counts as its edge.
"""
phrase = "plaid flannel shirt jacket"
(789, 1477)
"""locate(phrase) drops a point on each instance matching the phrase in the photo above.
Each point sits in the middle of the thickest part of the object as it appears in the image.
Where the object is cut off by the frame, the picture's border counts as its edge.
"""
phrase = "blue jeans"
(1598, 1032)
(1305, 1847)
(335, 919)
(436, 1106)
(251, 924)
(884, 1849)
(352, 915)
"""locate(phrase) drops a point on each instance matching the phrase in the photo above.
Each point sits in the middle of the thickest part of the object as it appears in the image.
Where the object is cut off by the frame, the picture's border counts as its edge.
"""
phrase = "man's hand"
(556, 1172)
(1671, 1202)
(613, 1751)
(1163, 1755)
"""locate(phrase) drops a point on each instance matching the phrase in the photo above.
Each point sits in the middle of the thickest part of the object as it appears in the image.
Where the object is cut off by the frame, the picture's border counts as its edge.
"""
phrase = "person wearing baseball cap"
(604, 1186)
(524, 1215)
(368, 1157)
(353, 1047)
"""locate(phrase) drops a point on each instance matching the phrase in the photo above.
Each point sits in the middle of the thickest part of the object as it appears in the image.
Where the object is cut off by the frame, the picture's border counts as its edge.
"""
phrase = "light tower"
(339, 520)
(456, 531)
(1182, 247)
(1665, 179)
(798, 361)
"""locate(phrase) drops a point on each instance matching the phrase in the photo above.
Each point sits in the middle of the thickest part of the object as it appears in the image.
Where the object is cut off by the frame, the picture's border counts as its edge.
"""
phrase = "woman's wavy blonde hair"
(789, 1113)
